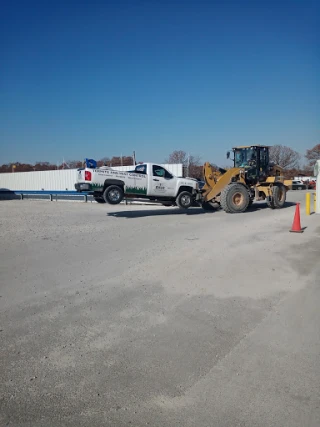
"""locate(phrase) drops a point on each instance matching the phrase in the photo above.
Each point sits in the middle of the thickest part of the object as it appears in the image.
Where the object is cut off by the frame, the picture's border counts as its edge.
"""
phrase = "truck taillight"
(87, 176)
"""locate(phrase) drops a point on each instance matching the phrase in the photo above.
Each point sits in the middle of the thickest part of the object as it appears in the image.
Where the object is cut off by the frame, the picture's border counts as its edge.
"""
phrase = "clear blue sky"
(86, 79)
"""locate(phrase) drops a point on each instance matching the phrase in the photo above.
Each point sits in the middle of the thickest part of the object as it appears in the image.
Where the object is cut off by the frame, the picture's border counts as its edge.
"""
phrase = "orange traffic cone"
(296, 225)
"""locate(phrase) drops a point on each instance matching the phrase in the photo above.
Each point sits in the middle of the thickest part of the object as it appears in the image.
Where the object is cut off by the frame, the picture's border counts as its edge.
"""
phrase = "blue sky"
(92, 79)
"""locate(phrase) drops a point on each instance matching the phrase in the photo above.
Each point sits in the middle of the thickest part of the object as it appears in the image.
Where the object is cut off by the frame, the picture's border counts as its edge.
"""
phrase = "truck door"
(162, 183)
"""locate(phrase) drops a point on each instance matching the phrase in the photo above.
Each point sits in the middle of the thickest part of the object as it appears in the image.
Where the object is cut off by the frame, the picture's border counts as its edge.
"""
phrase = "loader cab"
(254, 159)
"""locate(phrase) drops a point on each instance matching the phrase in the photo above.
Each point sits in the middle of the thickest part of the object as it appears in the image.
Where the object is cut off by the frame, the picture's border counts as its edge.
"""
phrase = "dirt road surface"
(149, 316)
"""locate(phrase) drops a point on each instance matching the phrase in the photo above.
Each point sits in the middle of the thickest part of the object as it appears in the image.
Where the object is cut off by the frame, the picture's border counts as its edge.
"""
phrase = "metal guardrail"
(51, 195)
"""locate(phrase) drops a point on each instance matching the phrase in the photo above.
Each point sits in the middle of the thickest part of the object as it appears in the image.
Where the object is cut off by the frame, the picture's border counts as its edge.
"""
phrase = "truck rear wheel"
(235, 198)
(113, 195)
(184, 200)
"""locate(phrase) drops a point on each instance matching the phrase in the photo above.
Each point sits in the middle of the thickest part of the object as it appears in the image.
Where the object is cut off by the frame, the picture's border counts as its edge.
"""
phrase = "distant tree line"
(281, 155)
(69, 164)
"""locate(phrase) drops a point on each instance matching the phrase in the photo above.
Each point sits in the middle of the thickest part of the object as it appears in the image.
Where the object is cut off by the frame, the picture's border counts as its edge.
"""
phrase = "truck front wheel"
(113, 195)
(184, 200)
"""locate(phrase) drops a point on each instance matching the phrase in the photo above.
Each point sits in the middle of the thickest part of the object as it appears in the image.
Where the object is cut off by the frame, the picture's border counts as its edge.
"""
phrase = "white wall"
(59, 180)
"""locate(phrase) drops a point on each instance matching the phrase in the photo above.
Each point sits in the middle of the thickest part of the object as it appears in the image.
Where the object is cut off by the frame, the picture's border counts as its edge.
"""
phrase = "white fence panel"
(60, 180)
(55, 180)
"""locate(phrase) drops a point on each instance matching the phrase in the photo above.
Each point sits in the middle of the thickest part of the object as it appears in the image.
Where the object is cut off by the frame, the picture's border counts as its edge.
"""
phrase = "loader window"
(263, 160)
(243, 157)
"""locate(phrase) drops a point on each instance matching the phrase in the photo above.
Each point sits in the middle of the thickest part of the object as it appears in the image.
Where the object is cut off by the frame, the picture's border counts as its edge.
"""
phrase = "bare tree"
(284, 156)
(192, 164)
(313, 155)
(116, 161)
(176, 157)
(74, 164)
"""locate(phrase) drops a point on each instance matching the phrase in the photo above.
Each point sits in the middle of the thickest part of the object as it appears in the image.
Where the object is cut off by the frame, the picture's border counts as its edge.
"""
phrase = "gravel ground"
(135, 316)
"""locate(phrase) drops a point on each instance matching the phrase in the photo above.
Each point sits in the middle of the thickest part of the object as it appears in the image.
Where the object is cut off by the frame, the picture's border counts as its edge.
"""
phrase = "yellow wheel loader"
(252, 177)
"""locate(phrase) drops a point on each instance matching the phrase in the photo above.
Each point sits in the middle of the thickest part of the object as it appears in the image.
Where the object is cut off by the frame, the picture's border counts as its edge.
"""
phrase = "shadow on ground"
(188, 212)
(262, 206)
(158, 212)
(6, 194)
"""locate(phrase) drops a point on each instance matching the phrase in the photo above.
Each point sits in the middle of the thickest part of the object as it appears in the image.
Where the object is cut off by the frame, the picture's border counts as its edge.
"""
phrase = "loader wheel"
(113, 194)
(279, 196)
(184, 200)
(235, 198)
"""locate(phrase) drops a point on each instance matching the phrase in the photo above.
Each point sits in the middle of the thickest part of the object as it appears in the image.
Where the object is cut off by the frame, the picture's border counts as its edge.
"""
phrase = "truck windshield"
(243, 156)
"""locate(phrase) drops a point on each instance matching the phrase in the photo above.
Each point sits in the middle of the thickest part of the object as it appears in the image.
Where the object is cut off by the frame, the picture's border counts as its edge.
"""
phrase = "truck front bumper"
(82, 186)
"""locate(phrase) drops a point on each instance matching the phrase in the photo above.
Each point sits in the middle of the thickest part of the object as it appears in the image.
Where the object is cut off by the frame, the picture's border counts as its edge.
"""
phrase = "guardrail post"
(50, 197)
(85, 197)
(308, 203)
(21, 196)
(314, 202)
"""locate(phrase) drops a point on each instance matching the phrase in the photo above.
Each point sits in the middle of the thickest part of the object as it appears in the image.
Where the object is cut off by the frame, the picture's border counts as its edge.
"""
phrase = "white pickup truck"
(146, 181)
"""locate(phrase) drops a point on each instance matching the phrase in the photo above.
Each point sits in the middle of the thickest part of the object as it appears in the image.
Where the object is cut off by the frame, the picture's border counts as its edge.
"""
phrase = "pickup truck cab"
(146, 181)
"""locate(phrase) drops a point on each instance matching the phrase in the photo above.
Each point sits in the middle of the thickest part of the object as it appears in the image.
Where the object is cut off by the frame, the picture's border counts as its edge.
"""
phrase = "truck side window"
(141, 169)
(160, 172)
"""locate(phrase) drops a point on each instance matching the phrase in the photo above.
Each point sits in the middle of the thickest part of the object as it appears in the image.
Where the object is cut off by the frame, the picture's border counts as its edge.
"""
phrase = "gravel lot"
(137, 316)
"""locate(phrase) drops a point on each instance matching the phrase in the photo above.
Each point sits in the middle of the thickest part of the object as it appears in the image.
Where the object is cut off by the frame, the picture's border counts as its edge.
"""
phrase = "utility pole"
(188, 164)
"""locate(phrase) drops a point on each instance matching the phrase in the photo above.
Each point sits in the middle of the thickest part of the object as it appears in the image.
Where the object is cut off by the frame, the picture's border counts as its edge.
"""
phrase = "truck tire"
(184, 200)
(235, 198)
(113, 195)
(99, 200)
(279, 196)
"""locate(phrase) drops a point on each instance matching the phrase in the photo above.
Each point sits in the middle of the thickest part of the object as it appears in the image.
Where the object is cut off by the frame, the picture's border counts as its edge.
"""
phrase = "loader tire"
(184, 200)
(113, 195)
(279, 196)
(235, 198)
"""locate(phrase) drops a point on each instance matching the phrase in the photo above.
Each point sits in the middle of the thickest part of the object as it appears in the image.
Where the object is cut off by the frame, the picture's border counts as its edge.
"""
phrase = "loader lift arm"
(216, 181)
